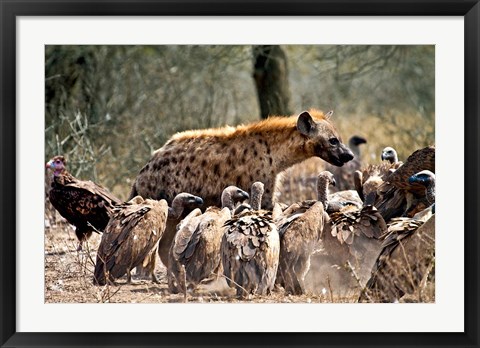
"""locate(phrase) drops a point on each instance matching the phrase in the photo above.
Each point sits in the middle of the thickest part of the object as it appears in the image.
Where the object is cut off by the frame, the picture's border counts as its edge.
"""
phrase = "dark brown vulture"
(397, 196)
(300, 228)
(250, 249)
(132, 235)
(344, 174)
(195, 252)
(408, 251)
(351, 236)
(84, 204)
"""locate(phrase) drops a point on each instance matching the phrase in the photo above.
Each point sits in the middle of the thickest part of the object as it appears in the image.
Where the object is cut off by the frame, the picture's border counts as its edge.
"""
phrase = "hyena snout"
(346, 155)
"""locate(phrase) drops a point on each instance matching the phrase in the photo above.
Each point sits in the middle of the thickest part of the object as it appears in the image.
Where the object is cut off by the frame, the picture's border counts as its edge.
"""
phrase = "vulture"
(178, 211)
(408, 251)
(300, 228)
(398, 196)
(132, 235)
(389, 154)
(250, 248)
(195, 252)
(344, 174)
(351, 236)
(84, 204)
(369, 180)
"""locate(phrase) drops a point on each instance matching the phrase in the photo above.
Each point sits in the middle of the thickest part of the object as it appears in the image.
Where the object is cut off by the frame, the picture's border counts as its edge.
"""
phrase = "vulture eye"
(333, 141)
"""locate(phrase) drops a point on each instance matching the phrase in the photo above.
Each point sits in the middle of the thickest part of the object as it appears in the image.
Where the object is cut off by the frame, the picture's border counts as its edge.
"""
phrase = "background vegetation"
(108, 107)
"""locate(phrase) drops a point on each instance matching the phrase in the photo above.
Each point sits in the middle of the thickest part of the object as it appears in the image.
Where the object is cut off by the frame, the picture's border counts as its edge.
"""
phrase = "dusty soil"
(68, 279)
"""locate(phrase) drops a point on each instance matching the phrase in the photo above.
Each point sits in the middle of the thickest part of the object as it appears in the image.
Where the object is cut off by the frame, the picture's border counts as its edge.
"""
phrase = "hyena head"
(323, 139)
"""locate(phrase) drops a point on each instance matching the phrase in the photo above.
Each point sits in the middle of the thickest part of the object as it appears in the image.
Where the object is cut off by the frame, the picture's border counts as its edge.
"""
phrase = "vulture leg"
(82, 235)
(129, 277)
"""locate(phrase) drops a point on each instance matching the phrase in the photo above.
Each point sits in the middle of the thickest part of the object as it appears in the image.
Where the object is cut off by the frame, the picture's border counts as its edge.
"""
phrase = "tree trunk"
(270, 73)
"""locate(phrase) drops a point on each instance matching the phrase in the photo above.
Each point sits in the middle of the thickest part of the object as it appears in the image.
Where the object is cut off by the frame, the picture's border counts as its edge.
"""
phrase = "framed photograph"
(106, 86)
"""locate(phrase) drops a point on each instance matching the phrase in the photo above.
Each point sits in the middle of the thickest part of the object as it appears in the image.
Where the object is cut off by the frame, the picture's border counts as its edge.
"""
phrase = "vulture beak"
(245, 195)
(383, 156)
(49, 164)
(334, 182)
(198, 200)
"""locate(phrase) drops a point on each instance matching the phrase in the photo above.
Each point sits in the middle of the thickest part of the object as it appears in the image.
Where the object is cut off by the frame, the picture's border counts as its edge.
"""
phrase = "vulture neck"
(176, 210)
(322, 191)
(227, 201)
(62, 177)
(256, 200)
(431, 192)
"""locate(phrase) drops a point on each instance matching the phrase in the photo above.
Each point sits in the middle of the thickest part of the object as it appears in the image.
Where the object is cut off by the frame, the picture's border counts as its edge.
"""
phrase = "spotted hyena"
(204, 162)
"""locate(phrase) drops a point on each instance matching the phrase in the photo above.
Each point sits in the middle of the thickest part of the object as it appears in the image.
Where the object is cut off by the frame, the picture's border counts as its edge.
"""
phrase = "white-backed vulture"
(132, 235)
(195, 252)
(84, 204)
(390, 155)
(350, 237)
(250, 249)
(179, 211)
(300, 228)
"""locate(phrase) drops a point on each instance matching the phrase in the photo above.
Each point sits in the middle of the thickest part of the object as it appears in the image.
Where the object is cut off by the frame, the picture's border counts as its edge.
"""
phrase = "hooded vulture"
(84, 204)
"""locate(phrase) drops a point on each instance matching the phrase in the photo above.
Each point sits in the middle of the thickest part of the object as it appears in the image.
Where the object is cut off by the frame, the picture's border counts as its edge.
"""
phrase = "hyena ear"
(305, 123)
(329, 114)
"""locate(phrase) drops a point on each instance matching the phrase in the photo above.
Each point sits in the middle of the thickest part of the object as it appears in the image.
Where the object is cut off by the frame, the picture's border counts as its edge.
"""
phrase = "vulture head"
(424, 178)
(427, 179)
(356, 140)
(57, 164)
(232, 195)
(180, 202)
(389, 154)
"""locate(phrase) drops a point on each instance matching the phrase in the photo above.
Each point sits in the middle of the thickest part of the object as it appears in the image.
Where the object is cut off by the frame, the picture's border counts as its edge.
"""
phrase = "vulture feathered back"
(250, 248)
(350, 235)
(131, 236)
(300, 228)
(84, 204)
(405, 261)
(181, 206)
(408, 250)
(195, 252)
(399, 197)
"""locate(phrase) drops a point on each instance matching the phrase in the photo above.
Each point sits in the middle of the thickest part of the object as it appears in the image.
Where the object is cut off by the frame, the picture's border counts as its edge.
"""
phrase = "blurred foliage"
(108, 107)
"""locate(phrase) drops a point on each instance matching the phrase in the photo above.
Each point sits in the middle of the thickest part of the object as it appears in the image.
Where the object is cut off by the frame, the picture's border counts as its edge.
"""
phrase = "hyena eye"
(333, 141)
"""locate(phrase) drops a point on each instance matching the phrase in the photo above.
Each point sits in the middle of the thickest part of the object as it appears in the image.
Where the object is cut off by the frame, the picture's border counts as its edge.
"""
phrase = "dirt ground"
(68, 279)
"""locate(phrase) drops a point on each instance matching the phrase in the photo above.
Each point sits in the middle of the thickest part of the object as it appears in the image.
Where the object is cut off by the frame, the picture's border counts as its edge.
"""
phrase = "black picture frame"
(9, 337)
